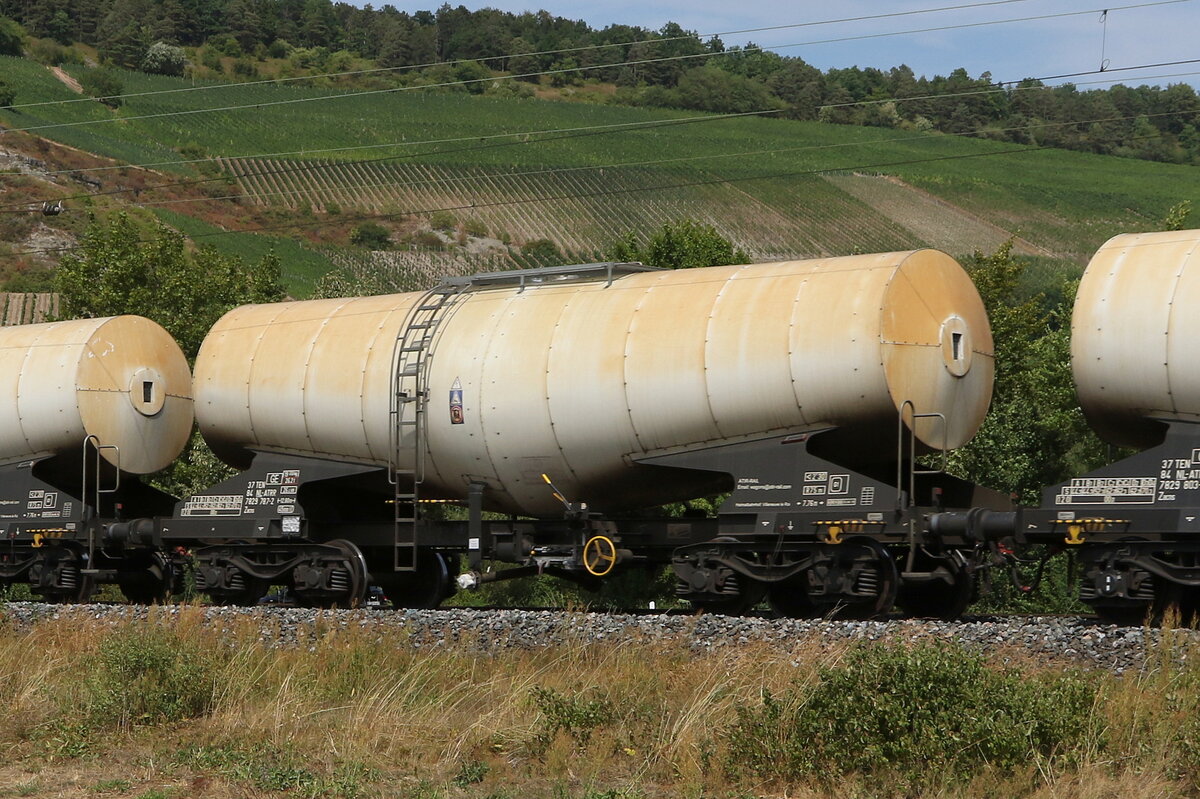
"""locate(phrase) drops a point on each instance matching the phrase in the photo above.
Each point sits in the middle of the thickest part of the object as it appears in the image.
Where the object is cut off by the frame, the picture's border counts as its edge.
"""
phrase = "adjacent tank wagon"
(92, 403)
(1133, 525)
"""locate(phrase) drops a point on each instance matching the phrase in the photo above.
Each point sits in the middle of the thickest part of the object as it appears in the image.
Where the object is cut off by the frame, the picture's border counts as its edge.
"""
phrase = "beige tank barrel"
(121, 379)
(1134, 333)
(579, 379)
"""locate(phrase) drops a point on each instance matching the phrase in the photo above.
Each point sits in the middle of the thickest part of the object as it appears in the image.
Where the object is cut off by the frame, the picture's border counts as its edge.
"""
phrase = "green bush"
(542, 251)
(475, 227)
(164, 59)
(371, 235)
(103, 84)
(52, 54)
(442, 220)
(578, 716)
(12, 37)
(932, 711)
(149, 676)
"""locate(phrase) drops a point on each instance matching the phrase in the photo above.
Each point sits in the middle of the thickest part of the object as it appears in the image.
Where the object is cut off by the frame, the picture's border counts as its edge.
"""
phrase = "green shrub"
(427, 238)
(542, 250)
(578, 716)
(12, 37)
(475, 227)
(931, 711)
(279, 49)
(103, 84)
(149, 676)
(442, 220)
(371, 235)
(164, 59)
(52, 54)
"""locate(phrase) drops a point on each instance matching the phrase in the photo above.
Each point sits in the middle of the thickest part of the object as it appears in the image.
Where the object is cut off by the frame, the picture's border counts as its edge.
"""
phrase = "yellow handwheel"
(599, 555)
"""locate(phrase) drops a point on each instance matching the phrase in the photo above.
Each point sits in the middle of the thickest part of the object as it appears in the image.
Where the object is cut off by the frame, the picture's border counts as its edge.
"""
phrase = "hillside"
(497, 174)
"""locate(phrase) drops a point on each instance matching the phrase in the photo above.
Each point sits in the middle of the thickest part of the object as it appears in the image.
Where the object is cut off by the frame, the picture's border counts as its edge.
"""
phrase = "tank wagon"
(555, 404)
(90, 405)
(1133, 525)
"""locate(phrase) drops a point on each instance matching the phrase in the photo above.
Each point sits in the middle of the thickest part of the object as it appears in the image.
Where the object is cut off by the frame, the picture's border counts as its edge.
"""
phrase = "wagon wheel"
(352, 567)
(76, 586)
(427, 587)
(790, 599)
(152, 583)
(737, 605)
(887, 579)
(937, 598)
(360, 576)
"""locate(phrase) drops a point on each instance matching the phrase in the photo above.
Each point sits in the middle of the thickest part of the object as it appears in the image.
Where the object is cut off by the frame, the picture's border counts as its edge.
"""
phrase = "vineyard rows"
(584, 210)
(1065, 202)
(414, 270)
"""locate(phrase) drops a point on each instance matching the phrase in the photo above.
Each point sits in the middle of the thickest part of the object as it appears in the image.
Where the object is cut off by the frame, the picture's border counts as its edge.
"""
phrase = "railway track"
(1057, 641)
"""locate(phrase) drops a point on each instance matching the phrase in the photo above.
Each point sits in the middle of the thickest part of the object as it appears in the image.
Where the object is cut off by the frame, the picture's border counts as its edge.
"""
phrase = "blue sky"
(1010, 51)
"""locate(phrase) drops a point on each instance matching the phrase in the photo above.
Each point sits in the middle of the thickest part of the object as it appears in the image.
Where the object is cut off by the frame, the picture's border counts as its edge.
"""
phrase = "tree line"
(237, 38)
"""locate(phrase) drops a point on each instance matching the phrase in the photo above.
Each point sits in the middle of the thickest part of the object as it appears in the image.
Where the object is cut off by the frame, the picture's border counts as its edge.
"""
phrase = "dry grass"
(347, 713)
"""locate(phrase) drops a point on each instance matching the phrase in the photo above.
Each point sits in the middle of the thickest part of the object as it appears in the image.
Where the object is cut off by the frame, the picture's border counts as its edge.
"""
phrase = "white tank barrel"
(121, 379)
(579, 379)
(1134, 334)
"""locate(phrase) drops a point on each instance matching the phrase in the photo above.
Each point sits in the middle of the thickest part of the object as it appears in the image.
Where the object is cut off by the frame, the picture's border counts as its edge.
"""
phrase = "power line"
(355, 148)
(998, 86)
(566, 70)
(615, 127)
(589, 130)
(659, 39)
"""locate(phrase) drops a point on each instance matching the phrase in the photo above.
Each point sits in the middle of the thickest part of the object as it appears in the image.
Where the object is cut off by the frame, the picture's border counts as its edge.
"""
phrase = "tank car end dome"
(121, 379)
(1133, 335)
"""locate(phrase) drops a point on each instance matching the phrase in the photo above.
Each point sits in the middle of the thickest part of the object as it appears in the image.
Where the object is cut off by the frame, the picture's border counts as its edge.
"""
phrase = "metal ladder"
(90, 512)
(411, 357)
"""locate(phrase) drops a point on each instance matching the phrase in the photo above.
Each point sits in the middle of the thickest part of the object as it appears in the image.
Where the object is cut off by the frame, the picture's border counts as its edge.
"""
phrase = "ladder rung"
(420, 325)
(410, 371)
(437, 307)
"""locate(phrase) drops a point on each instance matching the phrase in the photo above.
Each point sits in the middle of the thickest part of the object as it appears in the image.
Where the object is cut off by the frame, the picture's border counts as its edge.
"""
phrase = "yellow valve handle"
(1074, 534)
(599, 555)
(833, 534)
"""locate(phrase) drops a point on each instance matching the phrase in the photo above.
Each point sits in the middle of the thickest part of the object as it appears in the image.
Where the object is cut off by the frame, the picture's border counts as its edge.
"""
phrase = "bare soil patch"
(938, 223)
(70, 82)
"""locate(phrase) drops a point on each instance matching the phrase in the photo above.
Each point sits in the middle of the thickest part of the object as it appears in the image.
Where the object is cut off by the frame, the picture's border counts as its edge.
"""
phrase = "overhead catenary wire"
(1000, 86)
(583, 130)
(559, 51)
(945, 95)
(568, 70)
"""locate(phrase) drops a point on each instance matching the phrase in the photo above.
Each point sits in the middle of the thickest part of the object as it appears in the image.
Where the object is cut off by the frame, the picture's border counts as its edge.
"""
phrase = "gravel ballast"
(1050, 639)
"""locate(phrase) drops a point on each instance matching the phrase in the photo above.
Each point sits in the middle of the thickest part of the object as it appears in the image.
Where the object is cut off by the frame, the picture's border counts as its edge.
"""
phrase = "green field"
(302, 267)
(778, 188)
